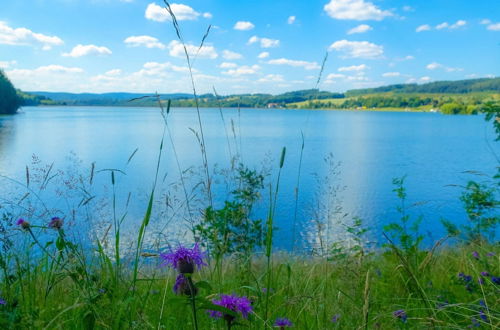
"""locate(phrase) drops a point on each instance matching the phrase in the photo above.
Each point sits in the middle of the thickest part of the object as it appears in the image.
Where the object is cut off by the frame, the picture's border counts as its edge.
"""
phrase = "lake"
(434, 152)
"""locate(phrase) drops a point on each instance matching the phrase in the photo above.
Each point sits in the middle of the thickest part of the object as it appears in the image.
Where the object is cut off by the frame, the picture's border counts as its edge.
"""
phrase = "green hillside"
(9, 100)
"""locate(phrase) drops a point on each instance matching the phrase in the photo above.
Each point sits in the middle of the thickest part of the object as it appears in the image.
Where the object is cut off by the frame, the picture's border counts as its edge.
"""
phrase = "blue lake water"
(433, 150)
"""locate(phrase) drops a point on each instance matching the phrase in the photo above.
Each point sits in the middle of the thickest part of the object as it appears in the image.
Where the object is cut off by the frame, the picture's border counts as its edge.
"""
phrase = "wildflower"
(480, 280)
(475, 323)
(56, 223)
(464, 278)
(485, 274)
(3, 302)
(184, 259)
(335, 318)
(442, 302)
(475, 254)
(232, 302)
(495, 279)
(400, 314)
(490, 254)
(282, 323)
(23, 223)
(181, 286)
(483, 316)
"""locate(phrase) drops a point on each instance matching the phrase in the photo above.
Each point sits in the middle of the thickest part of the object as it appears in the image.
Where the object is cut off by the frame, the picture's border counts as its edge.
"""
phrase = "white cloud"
(291, 19)
(182, 12)
(7, 64)
(263, 55)
(494, 27)
(114, 72)
(408, 58)
(360, 67)
(357, 49)
(425, 79)
(435, 66)
(356, 10)
(306, 65)
(243, 26)
(242, 70)
(227, 65)
(408, 8)
(24, 36)
(264, 42)
(272, 78)
(146, 41)
(391, 74)
(84, 50)
(332, 76)
(456, 25)
(360, 29)
(229, 55)
(48, 69)
(425, 27)
(177, 50)
(485, 21)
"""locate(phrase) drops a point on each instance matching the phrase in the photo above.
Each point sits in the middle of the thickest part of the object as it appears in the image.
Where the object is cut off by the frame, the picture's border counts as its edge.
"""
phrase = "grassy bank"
(340, 292)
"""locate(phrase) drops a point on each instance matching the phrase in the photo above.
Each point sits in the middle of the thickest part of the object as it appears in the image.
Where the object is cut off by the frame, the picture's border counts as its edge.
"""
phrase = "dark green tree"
(9, 100)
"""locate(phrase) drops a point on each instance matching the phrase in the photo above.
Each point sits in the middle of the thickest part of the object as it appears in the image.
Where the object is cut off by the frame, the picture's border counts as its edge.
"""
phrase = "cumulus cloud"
(295, 63)
(272, 78)
(84, 50)
(24, 36)
(243, 26)
(391, 74)
(425, 27)
(357, 49)
(145, 41)
(360, 29)
(113, 72)
(291, 19)
(435, 66)
(333, 76)
(176, 49)
(229, 55)
(264, 42)
(456, 25)
(7, 64)
(228, 65)
(242, 70)
(494, 27)
(360, 67)
(182, 12)
(263, 55)
(355, 10)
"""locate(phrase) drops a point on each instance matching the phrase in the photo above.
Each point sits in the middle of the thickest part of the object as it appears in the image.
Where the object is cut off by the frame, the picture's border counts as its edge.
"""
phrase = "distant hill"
(102, 99)
(452, 87)
(462, 96)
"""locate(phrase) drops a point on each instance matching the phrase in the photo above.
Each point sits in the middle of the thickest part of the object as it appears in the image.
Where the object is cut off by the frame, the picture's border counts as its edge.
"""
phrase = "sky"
(257, 46)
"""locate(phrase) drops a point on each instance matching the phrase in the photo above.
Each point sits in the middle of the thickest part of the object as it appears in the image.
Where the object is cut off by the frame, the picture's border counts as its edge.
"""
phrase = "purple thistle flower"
(23, 223)
(485, 274)
(232, 302)
(335, 318)
(400, 314)
(3, 302)
(184, 259)
(282, 322)
(181, 286)
(475, 254)
(56, 223)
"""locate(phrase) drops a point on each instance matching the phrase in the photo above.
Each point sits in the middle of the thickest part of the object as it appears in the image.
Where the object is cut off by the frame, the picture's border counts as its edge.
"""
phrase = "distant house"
(274, 106)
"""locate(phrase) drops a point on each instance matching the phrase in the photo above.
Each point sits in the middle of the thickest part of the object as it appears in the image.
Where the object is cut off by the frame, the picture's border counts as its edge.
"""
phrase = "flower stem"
(192, 293)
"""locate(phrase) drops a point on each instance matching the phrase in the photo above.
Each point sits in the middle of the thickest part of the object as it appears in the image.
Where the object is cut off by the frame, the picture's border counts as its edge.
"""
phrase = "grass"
(363, 290)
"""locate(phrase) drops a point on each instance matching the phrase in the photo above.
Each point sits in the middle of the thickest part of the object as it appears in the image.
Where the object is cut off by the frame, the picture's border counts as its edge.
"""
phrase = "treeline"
(460, 104)
(450, 87)
(10, 101)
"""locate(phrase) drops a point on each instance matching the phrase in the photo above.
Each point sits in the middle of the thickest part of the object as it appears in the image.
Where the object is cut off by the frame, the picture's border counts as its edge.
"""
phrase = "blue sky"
(253, 46)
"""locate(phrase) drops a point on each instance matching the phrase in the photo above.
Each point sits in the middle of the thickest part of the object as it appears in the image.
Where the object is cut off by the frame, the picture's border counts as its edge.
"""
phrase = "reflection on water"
(370, 148)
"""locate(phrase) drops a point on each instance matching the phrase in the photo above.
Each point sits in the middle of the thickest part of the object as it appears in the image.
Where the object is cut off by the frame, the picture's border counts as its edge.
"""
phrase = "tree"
(9, 100)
